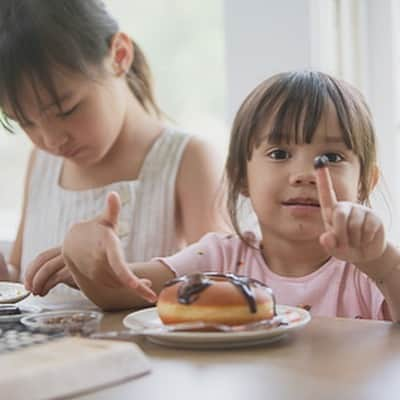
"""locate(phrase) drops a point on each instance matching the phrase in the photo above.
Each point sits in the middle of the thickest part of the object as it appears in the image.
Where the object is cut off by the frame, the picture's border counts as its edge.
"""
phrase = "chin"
(299, 233)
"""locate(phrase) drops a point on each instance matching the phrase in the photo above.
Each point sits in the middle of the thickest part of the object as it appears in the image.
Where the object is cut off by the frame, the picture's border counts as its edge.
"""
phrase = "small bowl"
(71, 322)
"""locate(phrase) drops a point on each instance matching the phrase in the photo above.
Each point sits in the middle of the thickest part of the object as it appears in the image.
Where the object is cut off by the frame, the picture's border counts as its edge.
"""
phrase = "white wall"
(263, 37)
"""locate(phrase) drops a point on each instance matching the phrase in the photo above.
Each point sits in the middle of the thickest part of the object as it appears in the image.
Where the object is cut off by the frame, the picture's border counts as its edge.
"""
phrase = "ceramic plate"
(139, 320)
(11, 292)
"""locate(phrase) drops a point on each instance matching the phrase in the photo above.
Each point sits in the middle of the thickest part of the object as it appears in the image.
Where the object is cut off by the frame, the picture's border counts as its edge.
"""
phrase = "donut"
(215, 298)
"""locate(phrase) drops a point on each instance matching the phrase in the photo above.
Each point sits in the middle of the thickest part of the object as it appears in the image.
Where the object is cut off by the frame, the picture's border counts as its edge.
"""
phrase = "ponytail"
(140, 81)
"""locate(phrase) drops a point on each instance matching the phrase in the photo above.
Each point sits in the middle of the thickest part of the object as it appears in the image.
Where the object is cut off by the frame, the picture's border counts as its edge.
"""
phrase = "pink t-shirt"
(337, 289)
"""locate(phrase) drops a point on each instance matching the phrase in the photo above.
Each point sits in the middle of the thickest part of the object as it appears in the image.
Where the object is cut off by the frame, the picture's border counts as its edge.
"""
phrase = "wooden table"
(328, 359)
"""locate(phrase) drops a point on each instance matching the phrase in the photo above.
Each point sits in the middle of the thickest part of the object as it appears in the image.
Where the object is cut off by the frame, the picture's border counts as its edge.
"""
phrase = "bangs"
(15, 81)
(30, 53)
(294, 105)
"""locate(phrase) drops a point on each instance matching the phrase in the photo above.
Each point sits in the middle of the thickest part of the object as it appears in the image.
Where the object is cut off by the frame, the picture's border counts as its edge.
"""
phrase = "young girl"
(320, 248)
(82, 92)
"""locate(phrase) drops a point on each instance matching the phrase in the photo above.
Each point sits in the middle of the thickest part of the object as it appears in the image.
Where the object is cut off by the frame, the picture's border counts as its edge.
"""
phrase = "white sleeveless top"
(147, 220)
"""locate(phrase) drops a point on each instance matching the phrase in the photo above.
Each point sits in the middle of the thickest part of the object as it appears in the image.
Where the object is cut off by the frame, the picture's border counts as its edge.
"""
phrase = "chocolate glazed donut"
(218, 298)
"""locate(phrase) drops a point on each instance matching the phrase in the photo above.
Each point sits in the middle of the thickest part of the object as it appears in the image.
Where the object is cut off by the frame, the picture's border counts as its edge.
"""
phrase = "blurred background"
(206, 55)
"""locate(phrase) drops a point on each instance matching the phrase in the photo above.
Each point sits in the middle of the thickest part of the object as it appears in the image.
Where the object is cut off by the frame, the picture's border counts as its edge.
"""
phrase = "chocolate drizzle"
(196, 283)
(192, 286)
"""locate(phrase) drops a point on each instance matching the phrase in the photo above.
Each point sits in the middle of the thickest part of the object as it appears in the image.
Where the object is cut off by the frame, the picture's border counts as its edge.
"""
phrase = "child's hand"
(93, 249)
(46, 271)
(352, 232)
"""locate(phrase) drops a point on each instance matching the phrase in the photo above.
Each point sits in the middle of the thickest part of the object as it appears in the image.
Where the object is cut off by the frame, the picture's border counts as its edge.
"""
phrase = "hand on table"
(93, 249)
(46, 271)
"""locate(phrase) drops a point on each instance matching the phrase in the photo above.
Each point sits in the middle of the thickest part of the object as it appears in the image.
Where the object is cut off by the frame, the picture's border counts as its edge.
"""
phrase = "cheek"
(90, 129)
(34, 137)
(347, 186)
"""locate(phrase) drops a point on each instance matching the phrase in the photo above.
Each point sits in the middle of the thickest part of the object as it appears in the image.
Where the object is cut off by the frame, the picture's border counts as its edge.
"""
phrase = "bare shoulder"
(200, 191)
(201, 167)
(201, 154)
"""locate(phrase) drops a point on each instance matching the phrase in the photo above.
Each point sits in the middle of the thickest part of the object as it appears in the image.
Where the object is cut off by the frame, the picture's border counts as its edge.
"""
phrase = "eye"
(68, 112)
(278, 154)
(334, 157)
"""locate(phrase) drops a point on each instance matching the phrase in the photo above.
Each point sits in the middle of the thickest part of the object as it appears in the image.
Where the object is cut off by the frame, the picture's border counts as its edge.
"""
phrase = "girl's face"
(90, 120)
(282, 186)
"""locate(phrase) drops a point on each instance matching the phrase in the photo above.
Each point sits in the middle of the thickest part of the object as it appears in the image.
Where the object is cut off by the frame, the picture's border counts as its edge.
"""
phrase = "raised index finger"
(326, 192)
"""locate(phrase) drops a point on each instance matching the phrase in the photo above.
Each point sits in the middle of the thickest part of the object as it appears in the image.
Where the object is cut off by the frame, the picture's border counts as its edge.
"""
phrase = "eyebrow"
(327, 139)
(64, 97)
(61, 99)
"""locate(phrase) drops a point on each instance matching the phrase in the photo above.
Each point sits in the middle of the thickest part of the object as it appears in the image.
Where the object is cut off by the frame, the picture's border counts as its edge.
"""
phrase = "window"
(184, 45)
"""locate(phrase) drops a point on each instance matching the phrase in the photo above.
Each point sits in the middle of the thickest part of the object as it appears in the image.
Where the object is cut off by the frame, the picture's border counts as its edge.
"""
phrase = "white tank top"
(147, 225)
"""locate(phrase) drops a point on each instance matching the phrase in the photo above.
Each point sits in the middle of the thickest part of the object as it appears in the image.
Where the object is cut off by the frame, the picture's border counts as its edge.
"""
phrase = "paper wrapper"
(68, 366)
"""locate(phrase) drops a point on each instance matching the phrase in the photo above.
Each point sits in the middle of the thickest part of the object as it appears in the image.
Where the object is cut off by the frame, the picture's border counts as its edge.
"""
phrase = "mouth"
(69, 153)
(301, 202)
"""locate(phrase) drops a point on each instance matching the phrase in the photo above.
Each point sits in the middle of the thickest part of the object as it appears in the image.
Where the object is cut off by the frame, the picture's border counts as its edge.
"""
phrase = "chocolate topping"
(192, 286)
(196, 283)
(321, 161)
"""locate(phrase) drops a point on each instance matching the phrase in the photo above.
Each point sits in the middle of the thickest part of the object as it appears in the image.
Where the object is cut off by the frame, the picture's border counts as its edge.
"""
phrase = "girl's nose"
(54, 141)
(303, 178)
(52, 137)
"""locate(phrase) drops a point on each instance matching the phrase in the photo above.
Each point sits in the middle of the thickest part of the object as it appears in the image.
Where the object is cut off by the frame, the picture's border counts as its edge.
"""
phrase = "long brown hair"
(293, 103)
(37, 35)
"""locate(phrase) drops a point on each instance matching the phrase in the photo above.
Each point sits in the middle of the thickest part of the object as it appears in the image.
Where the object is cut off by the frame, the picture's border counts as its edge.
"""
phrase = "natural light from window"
(184, 44)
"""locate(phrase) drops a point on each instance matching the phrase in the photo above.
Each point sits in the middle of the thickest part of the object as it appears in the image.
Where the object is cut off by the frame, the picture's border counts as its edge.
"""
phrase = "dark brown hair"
(37, 35)
(293, 104)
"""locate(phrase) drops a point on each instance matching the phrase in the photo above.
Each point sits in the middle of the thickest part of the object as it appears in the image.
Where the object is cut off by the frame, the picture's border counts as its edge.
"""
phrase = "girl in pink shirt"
(321, 245)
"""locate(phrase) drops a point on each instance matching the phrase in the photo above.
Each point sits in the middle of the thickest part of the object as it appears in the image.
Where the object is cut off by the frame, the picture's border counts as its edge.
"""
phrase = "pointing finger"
(326, 192)
(110, 215)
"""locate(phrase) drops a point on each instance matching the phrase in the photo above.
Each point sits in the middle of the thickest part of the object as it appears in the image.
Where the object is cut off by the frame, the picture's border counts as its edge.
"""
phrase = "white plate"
(215, 340)
(11, 292)
(26, 309)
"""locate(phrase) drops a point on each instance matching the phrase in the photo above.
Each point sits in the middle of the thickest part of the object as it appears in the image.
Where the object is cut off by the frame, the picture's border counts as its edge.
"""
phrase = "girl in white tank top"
(83, 94)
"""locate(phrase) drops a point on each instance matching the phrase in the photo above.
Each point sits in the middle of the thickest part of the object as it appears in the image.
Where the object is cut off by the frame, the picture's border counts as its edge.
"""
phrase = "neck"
(124, 158)
(138, 133)
(293, 258)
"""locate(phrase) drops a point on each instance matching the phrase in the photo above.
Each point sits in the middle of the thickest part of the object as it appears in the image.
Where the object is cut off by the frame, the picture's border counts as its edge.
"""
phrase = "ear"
(375, 174)
(121, 53)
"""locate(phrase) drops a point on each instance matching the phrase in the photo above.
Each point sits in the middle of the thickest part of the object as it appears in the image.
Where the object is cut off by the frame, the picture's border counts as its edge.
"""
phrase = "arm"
(385, 271)
(47, 269)
(119, 297)
(199, 192)
(14, 266)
